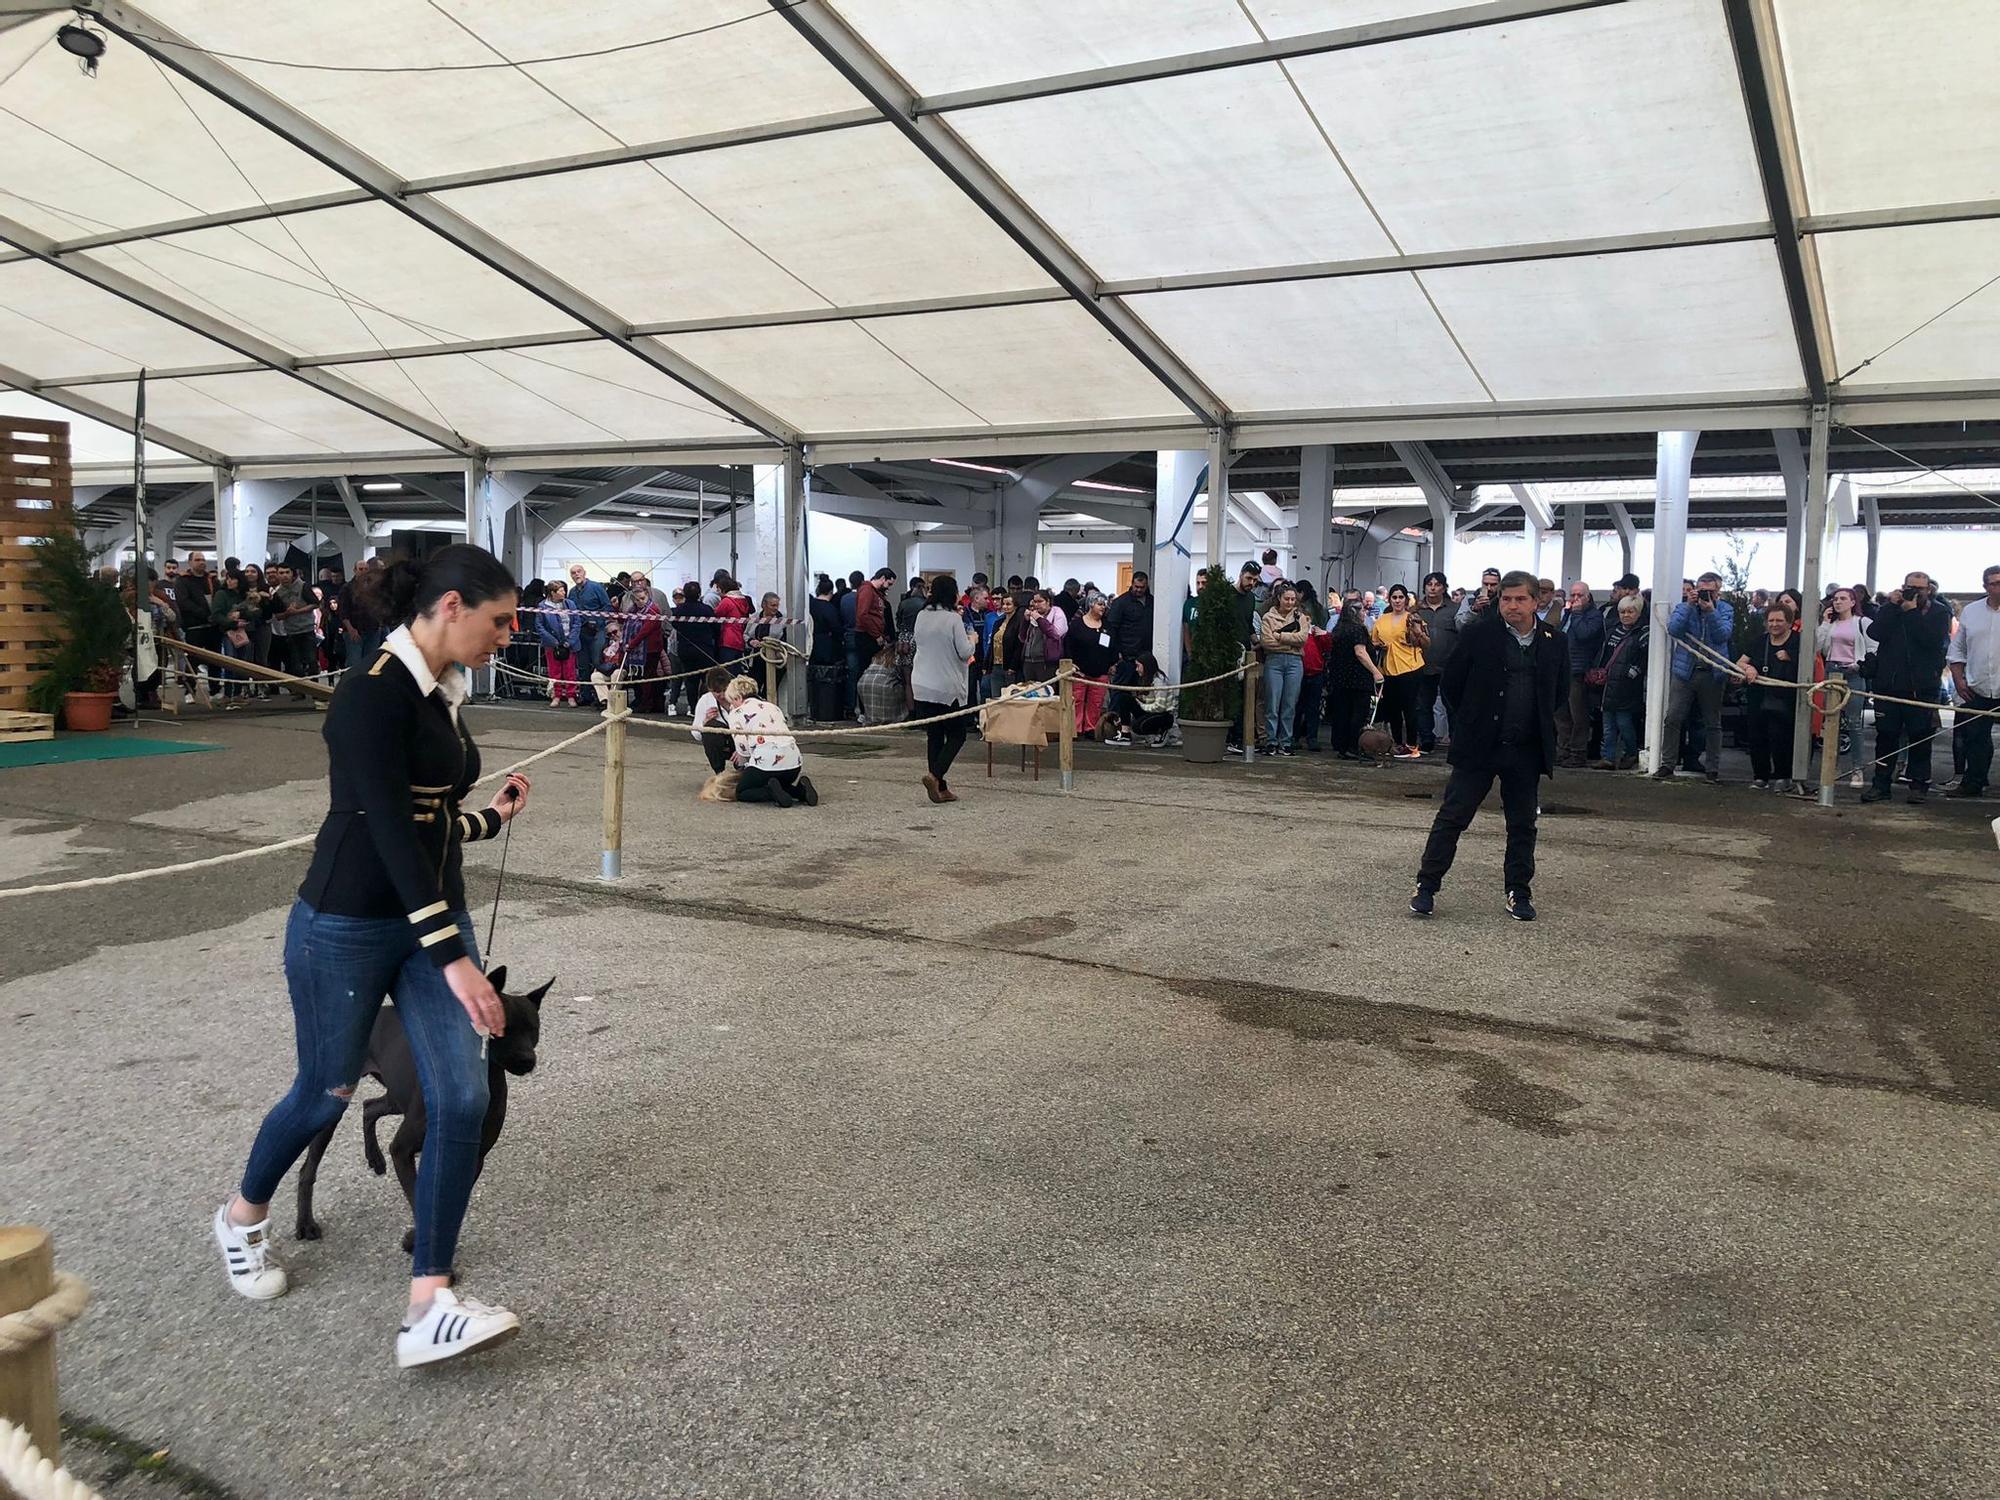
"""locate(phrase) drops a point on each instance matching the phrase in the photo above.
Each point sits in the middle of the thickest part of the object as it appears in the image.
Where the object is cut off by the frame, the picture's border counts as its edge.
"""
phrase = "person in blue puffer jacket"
(1705, 617)
(561, 630)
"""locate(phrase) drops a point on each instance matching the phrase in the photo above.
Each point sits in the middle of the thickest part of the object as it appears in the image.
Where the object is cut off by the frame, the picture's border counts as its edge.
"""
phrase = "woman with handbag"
(1844, 641)
(561, 629)
(1402, 637)
(1620, 674)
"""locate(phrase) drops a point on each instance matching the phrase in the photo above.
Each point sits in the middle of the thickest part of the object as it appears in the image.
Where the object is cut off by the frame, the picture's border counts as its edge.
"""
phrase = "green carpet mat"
(113, 744)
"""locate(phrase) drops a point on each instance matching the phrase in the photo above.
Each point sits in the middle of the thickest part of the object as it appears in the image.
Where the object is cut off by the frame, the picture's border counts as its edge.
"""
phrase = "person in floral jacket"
(765, 750)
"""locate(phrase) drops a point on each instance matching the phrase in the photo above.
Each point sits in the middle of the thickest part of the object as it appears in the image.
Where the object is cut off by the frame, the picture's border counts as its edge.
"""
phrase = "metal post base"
(609, 870)
(1069, 781)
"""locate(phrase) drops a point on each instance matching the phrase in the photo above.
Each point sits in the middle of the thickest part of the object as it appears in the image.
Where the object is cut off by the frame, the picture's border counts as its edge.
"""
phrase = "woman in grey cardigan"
(937, 680)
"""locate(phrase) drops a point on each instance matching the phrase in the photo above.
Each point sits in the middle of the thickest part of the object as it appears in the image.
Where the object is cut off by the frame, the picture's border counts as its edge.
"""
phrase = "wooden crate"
(34, 496)
(17, 725)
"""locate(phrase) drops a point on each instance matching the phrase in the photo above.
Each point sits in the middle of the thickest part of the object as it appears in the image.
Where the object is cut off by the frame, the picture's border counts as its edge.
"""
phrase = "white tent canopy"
(536, 235)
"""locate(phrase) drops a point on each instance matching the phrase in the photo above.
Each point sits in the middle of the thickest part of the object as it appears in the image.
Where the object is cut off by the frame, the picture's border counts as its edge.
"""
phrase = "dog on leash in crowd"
(391, 1064)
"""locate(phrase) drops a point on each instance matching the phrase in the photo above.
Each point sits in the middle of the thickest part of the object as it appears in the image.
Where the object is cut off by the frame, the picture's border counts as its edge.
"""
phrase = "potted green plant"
(80, 674)
(1217, 647)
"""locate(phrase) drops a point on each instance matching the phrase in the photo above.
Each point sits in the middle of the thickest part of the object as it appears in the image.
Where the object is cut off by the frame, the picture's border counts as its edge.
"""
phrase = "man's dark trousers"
(1518, 770)
(1901, 727)
(1975, 743)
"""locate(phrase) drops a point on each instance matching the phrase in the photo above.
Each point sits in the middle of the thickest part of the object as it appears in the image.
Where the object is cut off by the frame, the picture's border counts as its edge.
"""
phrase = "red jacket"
(737, 608)
(871, 612)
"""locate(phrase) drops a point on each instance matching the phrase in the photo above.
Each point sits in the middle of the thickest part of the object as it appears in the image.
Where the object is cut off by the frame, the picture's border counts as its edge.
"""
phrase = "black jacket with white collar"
(399, 760)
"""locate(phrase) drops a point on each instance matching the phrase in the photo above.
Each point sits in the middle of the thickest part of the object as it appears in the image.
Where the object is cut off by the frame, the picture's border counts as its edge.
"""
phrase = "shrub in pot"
(80, 675)
(1217, 647)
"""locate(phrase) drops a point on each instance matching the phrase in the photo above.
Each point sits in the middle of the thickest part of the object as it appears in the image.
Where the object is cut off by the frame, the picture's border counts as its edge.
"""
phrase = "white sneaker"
(254, 1272)
(454, 1325)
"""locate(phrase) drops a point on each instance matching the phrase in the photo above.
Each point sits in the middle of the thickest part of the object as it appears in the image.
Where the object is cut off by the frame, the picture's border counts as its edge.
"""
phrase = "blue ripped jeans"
(339, 969)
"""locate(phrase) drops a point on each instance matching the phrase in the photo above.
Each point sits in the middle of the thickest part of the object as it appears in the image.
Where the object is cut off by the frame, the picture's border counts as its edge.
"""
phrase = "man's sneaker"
(1519, 907)
(1715, 778)
(1423, 901)
(1873, 793)
(253, 1270)
(1760, 786)
(454, 1325)
(1119, 739)
(1665, 773)
(1854, 778)
(1918, 794)
(1962, 790)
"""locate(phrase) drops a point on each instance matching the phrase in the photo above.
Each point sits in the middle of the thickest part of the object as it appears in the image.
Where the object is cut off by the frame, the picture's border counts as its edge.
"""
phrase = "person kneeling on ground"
(1153, 700)
(765, 751)
(708, 716)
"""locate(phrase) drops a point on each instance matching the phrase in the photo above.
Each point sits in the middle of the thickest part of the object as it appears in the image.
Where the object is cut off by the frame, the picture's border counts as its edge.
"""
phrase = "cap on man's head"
(1629, 581)
(1489, 572)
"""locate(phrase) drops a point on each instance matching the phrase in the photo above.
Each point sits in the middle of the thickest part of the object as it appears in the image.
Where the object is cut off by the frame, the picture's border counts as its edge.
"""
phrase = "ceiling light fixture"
(83, 44)
(389, 486)
(644, 515)
(959, 463)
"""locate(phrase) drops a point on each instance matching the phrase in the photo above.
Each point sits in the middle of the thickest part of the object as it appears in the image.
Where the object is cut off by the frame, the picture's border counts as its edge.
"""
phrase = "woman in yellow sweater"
(1402, 637)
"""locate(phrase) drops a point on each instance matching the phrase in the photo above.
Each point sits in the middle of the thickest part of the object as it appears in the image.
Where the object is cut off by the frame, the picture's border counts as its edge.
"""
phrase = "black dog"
(389, 1062)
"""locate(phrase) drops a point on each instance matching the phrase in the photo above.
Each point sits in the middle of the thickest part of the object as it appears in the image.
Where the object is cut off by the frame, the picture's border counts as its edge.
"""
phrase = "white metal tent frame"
(1184, 349)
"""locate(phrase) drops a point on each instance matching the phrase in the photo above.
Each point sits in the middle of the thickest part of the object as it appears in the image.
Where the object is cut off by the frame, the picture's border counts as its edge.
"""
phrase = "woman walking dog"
(382, 912)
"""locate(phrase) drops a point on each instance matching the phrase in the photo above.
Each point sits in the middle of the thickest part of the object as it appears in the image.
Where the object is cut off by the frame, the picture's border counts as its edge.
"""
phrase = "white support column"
(482, 519)
(896, 537)
(1673, 468)
(1531, 533)
(1020, 518)
(1218, 493)
(1815, 559)
(243, 524)
(1792, 465)
(1312, 542)
(1871, 517)
(778, 535)
(1174, 496)
(1572, 569)
(1628, 536)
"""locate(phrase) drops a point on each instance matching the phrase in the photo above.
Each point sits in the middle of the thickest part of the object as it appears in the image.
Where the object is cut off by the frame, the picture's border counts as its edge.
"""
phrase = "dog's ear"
(498, 978)
(534, 997)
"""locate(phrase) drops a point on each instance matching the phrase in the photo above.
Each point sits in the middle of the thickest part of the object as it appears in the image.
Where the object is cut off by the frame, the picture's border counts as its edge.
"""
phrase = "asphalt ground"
(1129, 1142)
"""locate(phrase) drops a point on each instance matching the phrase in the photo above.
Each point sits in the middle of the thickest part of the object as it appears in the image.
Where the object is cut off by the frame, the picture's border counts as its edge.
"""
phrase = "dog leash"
(493, 921)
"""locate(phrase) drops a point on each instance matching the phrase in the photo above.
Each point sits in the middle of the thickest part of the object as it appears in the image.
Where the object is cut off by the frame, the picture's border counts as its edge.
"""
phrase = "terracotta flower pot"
(87, 711)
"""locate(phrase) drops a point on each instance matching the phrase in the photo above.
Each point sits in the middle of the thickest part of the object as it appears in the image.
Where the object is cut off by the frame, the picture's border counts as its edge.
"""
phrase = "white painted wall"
(834, 544)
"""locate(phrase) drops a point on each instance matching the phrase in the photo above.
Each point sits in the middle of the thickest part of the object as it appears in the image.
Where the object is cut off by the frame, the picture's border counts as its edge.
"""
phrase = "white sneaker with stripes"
(254, 1272)
(454, 1325)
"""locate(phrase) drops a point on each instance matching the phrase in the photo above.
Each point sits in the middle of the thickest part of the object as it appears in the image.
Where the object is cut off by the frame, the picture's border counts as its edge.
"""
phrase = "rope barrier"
(126, 876)
(24, 1472)
(55, 1312)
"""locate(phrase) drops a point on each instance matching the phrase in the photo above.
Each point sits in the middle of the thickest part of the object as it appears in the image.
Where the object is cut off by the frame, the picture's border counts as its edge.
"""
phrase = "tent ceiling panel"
(142, 147)
(260, 413)
(1215, 171)
(90, 442)
(568, 394)
(828, 377)
(336, 280)
(1049, 362)
(1705, 318)
(1618, 120)
(939, 49)
(1363, 341)
(59, 327)
(422, 124)
(842, 220)
(1276, 18)
(1895, 100)
(1883, 285)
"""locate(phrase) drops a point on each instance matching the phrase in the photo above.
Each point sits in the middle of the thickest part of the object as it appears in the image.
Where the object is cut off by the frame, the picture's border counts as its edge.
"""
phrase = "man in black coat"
(1501, 687)
(1912, 637)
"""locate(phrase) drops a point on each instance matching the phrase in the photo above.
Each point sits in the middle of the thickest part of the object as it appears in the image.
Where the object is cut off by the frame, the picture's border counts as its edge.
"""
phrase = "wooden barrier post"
(1829, 741)
(1066, 695)
(28, 1378)
(1250, 710)
(614, 785)
(770, 673)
